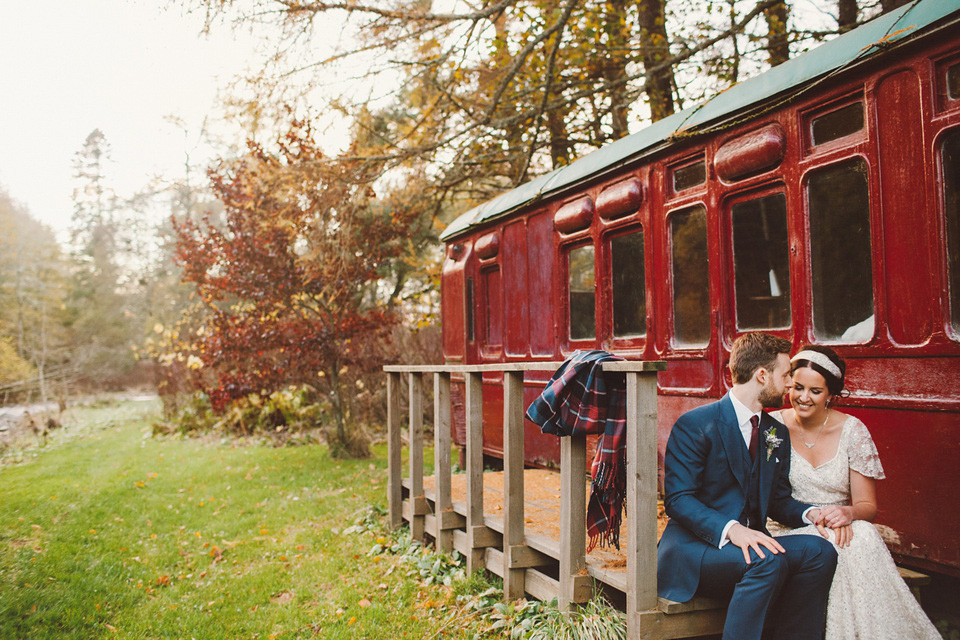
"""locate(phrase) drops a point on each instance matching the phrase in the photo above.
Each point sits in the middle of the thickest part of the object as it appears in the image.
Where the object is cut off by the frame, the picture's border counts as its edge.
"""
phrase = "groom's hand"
(747, 539)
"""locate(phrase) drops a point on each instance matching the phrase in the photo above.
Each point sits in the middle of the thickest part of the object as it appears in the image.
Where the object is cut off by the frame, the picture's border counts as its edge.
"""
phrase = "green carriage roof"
(843, 51)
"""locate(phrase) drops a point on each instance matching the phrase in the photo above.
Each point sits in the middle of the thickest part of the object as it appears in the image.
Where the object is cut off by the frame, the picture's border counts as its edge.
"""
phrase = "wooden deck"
(541, 519)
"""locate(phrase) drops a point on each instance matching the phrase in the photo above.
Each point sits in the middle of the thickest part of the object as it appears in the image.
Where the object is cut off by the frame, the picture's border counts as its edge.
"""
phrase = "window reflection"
(691, 289)
(950, 160)
(953, 82)
(837, 124)
(761, 263)
(840, 262)
(689, 176)
(582, 294)
(629, 288)
(470, 309)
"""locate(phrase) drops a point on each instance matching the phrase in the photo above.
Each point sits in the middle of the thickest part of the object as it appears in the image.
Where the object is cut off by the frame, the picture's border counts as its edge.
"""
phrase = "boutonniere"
(770, 437)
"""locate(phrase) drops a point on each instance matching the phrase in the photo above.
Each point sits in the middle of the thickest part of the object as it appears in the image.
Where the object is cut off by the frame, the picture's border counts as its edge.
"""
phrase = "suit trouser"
(787, 590)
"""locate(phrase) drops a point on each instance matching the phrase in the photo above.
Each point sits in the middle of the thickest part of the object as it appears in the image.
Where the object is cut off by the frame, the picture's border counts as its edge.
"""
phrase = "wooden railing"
(508, 553)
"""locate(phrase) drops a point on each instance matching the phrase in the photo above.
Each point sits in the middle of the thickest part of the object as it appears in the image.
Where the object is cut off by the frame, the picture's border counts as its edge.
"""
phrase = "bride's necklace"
(811, 445)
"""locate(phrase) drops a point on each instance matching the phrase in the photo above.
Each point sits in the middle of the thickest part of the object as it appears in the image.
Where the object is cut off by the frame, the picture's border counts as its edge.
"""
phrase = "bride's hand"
(835, 517)
(844, 535)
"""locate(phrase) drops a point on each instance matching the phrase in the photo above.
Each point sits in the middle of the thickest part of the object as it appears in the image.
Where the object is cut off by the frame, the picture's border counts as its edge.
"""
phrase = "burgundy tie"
(755, 423)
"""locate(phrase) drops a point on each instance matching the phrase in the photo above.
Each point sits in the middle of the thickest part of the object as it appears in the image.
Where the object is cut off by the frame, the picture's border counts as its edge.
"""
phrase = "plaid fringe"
(581, 399)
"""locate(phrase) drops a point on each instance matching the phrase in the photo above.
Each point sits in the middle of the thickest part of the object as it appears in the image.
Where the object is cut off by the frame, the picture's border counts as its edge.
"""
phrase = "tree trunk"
(778, 45)
(846, 15)
(615, 65)
(559, 143)
(336, 399)
(654, 48)
(890, 5)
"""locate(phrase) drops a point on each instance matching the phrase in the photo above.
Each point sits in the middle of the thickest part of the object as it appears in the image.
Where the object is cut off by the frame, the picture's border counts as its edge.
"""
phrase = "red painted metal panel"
(688, 374)
(493, 414)
(515, 289)
(452, 308)
(620, 199)
(539, 448)
(492, 310)
(751, 153)
(487, 245)
(906, 381)
(907, 258)
(574, 216)
(542, 296)
(917, 500)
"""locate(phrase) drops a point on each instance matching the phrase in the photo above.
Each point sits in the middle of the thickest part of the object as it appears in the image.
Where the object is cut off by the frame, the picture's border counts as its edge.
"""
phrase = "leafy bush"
(288, 416)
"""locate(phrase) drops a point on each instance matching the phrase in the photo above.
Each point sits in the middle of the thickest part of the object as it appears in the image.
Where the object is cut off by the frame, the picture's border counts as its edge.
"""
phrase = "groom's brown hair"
(752, 351)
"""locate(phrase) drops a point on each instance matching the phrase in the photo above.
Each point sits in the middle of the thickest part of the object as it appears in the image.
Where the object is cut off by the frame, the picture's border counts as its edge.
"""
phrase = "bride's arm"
(863, 503)
(863, 497)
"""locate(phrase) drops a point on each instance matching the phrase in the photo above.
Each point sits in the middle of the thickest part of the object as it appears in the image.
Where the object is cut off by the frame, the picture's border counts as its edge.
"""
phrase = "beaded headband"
(818, 358)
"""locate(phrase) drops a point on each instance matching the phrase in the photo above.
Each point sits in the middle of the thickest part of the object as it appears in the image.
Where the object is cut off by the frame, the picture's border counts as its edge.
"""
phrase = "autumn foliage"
(288, 274)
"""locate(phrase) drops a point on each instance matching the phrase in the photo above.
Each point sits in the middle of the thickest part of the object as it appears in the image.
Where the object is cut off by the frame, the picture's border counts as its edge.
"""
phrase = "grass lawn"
(117, 534)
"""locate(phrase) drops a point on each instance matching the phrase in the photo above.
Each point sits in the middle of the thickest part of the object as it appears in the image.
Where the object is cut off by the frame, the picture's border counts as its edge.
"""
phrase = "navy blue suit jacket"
(706, 469)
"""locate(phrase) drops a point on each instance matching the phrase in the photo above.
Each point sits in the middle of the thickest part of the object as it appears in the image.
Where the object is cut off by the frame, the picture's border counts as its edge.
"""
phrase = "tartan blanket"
(580, 399)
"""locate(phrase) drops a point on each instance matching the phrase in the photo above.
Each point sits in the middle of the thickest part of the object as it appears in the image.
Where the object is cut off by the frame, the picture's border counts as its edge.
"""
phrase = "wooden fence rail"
(507, 550)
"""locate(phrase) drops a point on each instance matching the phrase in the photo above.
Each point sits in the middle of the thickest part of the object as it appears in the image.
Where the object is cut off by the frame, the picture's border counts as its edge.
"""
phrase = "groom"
(726, 469)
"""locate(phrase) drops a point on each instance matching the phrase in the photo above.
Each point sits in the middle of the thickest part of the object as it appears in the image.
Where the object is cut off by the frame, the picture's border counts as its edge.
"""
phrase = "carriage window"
(689, 176)
(837, 124)
(629, 289)
(761, 268)
(953, 82)
(691, 289)
(840, 252)
(582, 295)
(470, 310)
(493, 308)
(950, 159)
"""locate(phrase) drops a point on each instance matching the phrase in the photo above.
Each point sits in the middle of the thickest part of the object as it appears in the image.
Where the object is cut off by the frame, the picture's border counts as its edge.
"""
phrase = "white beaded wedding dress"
(868, 599)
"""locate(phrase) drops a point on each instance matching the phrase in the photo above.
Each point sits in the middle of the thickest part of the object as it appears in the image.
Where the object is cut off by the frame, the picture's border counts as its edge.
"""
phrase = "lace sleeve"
(862, 452)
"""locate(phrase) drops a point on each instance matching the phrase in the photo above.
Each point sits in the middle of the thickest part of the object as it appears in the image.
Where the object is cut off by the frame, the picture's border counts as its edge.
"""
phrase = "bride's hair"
(834, 384)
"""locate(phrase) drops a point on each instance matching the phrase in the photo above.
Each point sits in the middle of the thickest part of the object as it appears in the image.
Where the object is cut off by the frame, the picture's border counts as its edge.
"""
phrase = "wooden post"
(394, 464)
(574, 581)
(477, 534)
(418, 502)
(441, 456)
(641, 496)
(513, 496)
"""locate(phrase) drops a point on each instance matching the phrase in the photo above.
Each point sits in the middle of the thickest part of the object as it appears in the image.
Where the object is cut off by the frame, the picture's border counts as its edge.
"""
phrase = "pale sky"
(68, 67)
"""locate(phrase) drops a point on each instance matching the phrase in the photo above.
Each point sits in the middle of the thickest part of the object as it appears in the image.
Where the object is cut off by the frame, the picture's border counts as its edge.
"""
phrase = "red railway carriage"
(819, 201)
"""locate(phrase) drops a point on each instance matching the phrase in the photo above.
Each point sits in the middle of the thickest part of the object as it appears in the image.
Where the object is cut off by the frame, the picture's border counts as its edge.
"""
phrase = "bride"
(835, 465)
